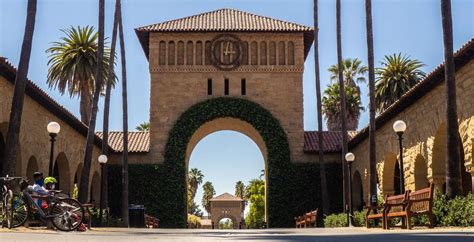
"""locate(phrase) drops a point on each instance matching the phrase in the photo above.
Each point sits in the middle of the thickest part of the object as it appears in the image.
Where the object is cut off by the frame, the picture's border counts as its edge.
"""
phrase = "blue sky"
(407, 26)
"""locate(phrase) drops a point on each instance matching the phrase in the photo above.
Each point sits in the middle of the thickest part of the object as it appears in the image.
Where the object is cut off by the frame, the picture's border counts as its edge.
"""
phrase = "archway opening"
(396, 179)
(421, 173)
(229, 156)
(2, 150)
(389, 180)
(61, 173)
(95, 189)
(357, 192)
(226, 223)
(31, 168)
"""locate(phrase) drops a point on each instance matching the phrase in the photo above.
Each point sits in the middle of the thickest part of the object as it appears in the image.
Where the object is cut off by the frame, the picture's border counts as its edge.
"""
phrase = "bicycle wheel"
(20, 211)
(67, 214)
(7, 211)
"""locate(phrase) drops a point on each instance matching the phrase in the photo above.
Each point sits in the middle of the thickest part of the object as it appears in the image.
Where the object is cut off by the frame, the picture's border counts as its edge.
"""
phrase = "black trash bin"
(136, 216)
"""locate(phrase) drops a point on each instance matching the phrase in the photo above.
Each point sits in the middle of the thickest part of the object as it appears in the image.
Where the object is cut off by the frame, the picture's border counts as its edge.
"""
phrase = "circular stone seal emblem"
(226, 51)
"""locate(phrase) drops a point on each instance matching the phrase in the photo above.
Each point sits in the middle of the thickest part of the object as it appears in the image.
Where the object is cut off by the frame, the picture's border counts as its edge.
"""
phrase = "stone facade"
(35, 145)
(424, 140)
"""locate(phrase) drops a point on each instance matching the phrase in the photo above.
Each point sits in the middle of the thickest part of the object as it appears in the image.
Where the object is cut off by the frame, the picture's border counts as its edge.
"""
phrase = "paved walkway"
(316, 234)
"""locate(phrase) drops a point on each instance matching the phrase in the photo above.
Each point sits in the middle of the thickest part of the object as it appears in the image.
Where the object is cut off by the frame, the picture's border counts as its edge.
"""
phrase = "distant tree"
(353, 72)
(255, 193)
(73, 65)
(332, 108)
(195, 210)
(145, 126)
(208, 193)
(397, 75)
(195, 178)
(239, 189)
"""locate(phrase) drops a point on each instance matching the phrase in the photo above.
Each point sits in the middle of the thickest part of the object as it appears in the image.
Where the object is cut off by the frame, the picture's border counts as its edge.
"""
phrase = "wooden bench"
(309, 219)
(395, 207)
(394, 203)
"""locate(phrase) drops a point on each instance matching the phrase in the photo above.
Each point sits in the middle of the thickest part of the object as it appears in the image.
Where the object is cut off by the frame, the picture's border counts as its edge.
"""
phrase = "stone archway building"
(227, 206)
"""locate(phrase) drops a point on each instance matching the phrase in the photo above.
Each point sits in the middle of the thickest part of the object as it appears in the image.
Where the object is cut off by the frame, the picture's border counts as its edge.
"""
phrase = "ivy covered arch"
(172, 195)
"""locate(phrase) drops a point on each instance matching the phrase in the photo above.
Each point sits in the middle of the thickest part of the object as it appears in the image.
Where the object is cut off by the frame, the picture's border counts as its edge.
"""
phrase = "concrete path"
(316, 234)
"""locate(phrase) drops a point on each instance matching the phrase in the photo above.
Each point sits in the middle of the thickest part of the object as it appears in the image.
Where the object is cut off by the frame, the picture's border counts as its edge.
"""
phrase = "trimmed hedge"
(292, 189)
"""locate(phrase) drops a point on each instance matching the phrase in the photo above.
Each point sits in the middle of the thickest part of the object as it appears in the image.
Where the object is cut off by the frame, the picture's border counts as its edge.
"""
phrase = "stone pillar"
(438, 181)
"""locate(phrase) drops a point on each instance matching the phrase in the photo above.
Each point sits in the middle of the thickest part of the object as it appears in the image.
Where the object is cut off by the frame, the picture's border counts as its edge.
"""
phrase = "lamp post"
(399, 127)
(350, 157)
(102, 161)
(53, 130)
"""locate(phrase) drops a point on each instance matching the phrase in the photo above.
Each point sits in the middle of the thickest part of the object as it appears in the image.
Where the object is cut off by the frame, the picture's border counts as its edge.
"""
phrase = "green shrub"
(335, 220)
(194, 222)
(359, 218)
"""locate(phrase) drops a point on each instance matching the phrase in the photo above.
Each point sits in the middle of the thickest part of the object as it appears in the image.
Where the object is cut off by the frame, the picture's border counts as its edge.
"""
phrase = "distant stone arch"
(245, 53)
(421, 173)
(180, 53)
(162, 53)
(281, 53)
(389, 169)
(263, 53)
(438, 158)
(77, 175)
(207, 54)
(31, 167)
(291, 53)
(357, 192)
(199, 53)
(253, 53)
(189, 53)
(171, 53)
(272, 52)
(61, 172)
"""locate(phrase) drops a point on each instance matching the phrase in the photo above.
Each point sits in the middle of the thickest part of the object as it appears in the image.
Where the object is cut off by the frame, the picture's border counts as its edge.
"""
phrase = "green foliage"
(255, 194)
(194, 210)
(75, 192)
(195, 178)
(226, 224)
(331, 103)
(396, 76)
(145, 126)
(194, 222)
(239, 189)
(352, 69)
(335, 220)
(208, 193)
(359, 218)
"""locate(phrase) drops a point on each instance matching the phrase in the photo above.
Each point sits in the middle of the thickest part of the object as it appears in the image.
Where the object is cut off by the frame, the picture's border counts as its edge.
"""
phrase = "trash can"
(136, 216)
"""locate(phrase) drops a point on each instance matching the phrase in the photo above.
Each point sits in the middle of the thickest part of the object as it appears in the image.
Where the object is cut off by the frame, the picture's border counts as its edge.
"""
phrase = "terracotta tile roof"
(138, 141)
(225, 20)
(226, 197)
(461, 57)
(331, 141)
(8, 71)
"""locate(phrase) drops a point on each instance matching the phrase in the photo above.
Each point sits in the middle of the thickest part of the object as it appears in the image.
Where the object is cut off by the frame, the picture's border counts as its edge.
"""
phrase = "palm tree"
(322, 170)
(195, 178)
(372, 129)
(396, 76)
(352, 69)
(239, 189)
(108, 90)
(73, 63)
(208, 193)
(13, 133)
(331, 107)
(84, 184)
(453, 160)
(342, 99)
(125, 119)
(145, 126)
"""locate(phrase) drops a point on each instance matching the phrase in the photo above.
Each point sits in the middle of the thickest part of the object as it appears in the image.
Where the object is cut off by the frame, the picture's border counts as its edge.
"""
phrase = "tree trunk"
(453, 161)
(13, 134)
(372, 105)
(108, 90)
(125, 122)
(343, 104)
(84, 185)
(86, 101)
(322, 169)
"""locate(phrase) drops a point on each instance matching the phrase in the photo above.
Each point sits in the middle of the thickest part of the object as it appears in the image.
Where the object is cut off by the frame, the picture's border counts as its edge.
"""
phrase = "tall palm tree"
(342, 102)
(397, 75)
(145, 126)
(84, 184)
(108, 90)
(331, 107)
(208, 194)
(322, 170)
(125, 119)
(372, 129)
(352, 69)
(453, 158)
(195, 178)
(13, 133)
(73, 63)
(239, 189)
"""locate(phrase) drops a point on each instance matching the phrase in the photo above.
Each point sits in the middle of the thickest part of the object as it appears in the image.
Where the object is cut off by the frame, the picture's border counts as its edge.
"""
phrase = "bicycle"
(66, 214)
(7, 201)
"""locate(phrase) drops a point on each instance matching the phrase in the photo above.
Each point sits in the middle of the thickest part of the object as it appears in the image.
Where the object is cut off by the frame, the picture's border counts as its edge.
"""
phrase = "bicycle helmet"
(50, 179)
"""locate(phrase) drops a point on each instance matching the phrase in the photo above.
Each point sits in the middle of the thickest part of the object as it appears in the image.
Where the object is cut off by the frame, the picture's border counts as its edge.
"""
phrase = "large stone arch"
(357, 191)
(466, 130)
(224, 110)
(389, 166)
(438, 157)
(31, 167)
(61, 172)
(94, 195)
(235, 221)
(421, 173)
